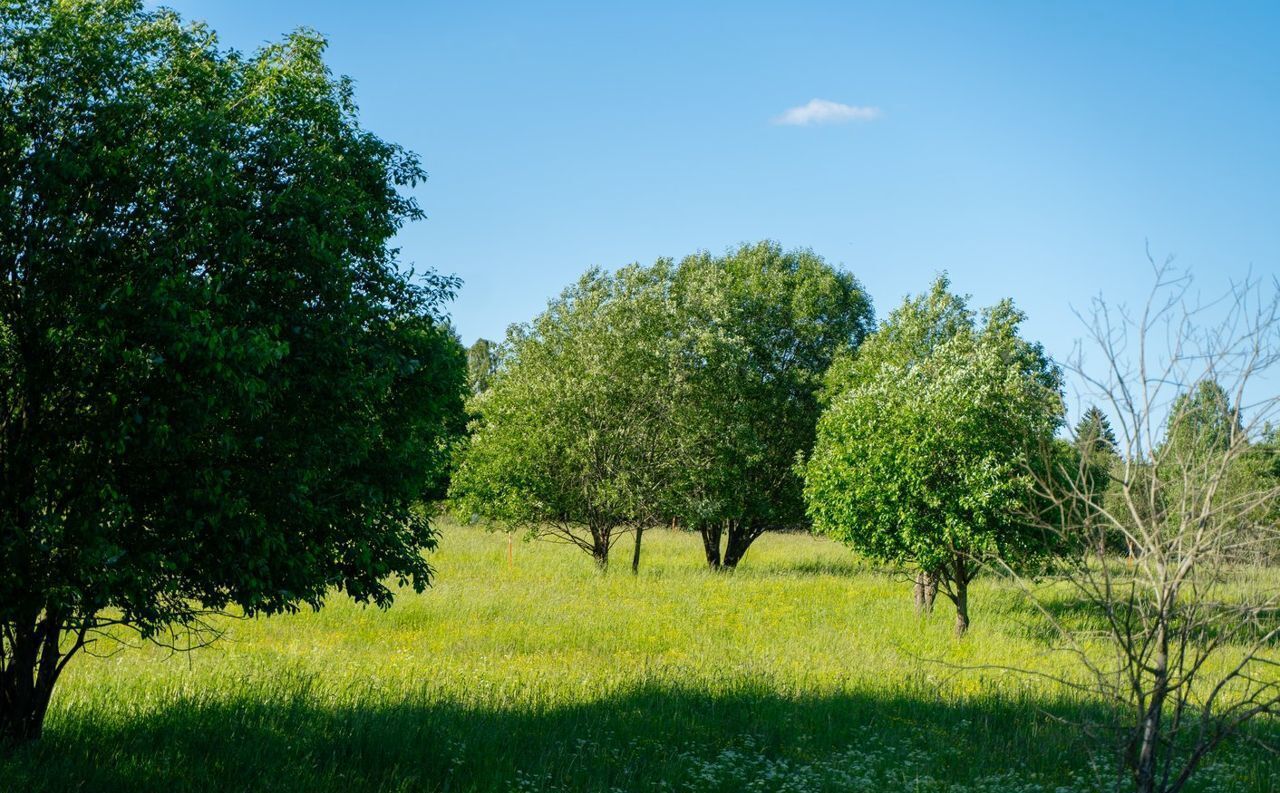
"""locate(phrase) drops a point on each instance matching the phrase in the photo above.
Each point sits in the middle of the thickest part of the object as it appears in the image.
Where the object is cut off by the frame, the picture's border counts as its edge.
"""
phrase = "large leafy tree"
(566, 441)
(924, 450)
(758, 329)
(218, 387)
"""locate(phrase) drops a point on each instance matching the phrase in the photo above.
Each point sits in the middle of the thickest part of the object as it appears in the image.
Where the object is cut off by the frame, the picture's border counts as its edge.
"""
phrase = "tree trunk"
(960, 583)
(962, 609)
(739, 540)
(600, 552)
(926, 591)
(635, 557)
(22, 720)
(1149, 734)
(26, 684)
(711, 544)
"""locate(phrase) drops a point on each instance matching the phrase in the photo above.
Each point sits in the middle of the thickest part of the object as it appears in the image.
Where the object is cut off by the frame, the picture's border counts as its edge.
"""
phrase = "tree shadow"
(653, 738)
(843, 568)
(1076, 614)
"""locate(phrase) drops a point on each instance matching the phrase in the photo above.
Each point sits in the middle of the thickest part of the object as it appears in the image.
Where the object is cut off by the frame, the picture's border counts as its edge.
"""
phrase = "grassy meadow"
(802, 671)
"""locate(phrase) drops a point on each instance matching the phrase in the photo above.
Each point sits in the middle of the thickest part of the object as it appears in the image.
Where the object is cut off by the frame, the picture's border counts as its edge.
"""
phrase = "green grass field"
(804, 670)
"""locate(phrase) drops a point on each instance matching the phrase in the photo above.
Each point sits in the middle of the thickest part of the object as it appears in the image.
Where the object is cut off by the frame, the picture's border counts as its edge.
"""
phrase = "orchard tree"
(218, 387)
(565, 443)
(910, 335)
(758, 328)
(923, 449)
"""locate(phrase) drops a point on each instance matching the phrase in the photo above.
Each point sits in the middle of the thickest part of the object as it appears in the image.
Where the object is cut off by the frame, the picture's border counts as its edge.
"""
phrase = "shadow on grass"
(1077, 615)
(650, 739)
(815, 567)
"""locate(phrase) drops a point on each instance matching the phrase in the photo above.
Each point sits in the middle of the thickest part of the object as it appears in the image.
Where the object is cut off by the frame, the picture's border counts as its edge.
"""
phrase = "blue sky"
(1030, 149)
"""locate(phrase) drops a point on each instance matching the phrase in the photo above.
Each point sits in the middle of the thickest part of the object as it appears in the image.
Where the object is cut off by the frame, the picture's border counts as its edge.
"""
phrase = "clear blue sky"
(1030, 149)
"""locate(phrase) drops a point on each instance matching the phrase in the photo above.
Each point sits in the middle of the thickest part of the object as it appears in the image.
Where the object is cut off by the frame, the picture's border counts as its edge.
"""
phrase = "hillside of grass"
(804, 670)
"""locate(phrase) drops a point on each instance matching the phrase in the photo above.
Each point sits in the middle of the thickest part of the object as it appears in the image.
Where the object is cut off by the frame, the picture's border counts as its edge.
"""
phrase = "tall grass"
(801, 671)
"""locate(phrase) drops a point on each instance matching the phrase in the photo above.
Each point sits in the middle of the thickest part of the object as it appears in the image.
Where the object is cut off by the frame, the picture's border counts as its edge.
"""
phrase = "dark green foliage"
(450, 378)
(217, 385)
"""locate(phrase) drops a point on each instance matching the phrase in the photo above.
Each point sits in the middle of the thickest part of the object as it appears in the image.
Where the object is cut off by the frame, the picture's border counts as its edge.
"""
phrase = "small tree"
(217, 385)
(565, 443)
(1188, 646)
(922, 448)
(1094, 436)
(1095, 446)
(757, 330)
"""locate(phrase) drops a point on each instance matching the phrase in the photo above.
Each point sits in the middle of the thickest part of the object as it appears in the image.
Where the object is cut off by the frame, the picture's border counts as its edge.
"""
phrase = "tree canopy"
(663, 392)
(758, 328)
(218, 385)
(923, 450)
(565, 442)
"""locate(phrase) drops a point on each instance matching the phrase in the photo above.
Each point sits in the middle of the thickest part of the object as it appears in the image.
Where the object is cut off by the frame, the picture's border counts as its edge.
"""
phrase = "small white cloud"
(822, 111)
